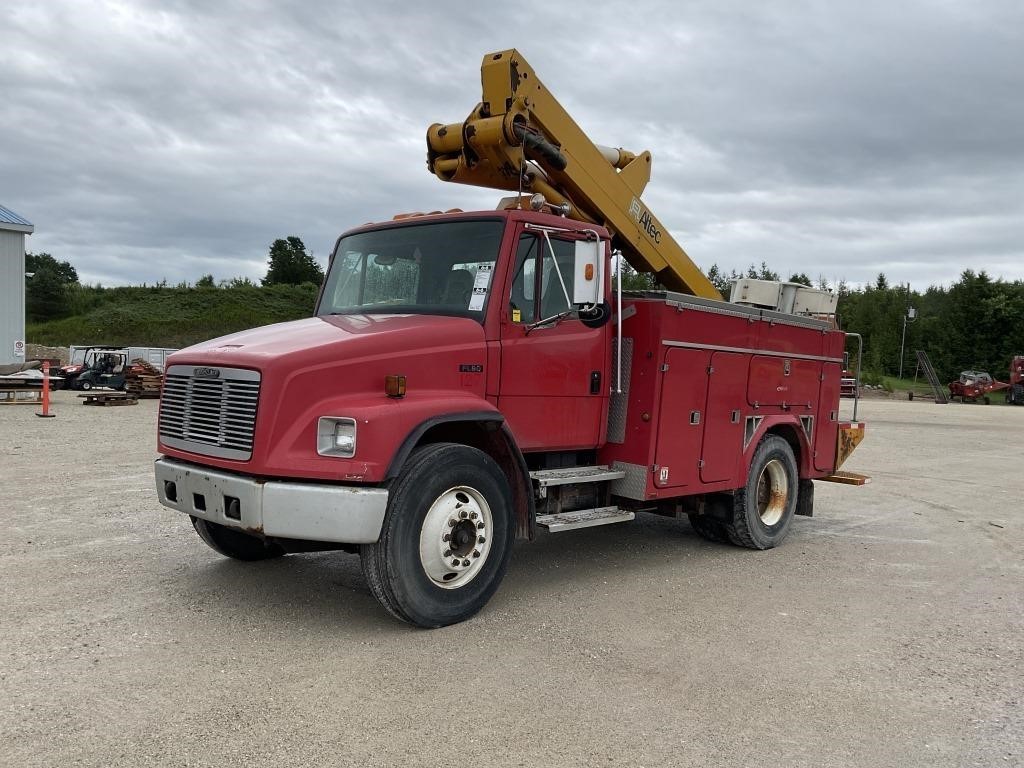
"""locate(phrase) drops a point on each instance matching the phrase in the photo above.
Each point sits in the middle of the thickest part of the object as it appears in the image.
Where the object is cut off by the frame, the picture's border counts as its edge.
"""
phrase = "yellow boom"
(520, 138)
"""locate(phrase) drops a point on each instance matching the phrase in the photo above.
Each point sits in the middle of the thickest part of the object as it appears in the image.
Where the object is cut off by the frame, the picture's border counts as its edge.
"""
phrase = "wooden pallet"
(109, 398)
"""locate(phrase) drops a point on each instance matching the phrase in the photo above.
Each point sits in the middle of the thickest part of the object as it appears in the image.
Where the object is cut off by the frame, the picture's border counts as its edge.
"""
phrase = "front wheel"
(446, 538)
(763, 509)
(233, 543)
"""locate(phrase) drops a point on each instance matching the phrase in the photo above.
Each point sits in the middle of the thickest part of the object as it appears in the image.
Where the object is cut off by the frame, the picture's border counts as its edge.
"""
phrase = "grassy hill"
(170, 317)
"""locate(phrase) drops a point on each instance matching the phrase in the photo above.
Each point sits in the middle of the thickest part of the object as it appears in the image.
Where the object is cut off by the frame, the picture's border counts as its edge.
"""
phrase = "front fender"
(383, 426)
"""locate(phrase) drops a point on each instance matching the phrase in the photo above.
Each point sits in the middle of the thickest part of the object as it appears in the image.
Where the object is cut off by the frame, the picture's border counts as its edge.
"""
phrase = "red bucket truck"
(470, 377)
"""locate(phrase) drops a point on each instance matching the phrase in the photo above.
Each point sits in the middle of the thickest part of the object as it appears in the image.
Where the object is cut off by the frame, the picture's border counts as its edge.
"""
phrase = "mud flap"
(805, 499)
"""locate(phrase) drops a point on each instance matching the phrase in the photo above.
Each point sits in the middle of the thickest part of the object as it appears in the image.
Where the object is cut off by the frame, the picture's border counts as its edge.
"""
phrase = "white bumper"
(288, 510)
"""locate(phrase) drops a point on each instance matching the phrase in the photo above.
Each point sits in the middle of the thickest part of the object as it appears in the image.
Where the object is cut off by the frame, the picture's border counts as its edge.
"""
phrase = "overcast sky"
(166, 140)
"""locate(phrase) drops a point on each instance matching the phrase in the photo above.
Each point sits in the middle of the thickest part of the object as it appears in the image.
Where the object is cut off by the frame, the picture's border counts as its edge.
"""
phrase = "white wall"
(12, 294)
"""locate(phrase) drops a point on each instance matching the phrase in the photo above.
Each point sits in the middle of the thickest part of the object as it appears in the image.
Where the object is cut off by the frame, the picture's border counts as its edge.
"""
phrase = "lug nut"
(447, 553)
(463, 514)
(455, 563)
(476, 553)
(465, 562)
(472, 515)
(451, 523)
(481, 540)
(480, 524)
(446, 537)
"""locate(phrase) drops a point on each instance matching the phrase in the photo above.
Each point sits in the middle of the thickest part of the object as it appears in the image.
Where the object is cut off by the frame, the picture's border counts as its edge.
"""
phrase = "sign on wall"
(19, 348)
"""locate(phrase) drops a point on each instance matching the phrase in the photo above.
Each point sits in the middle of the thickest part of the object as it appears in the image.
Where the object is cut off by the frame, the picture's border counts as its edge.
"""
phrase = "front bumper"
(287, 510)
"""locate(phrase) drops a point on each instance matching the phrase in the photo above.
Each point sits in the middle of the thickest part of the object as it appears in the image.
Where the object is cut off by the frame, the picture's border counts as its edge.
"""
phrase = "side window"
(543, 278)
(522, 303)
(557, 277)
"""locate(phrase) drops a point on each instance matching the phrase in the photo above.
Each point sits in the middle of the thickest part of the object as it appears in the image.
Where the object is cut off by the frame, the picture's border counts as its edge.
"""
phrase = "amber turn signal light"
(588, 272)
(394, 386)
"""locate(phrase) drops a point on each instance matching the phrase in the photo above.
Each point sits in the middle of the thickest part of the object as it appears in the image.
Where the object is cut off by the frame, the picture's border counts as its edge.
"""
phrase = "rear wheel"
(709, 528)
(763, 509)
(446, 538)
(235, 544)
(86, 385)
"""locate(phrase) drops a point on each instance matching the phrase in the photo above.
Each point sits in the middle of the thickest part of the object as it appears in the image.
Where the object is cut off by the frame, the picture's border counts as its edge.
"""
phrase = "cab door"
(553, 388)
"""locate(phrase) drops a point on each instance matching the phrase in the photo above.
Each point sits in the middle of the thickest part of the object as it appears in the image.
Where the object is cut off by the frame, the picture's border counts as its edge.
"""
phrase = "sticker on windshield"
(480, 285)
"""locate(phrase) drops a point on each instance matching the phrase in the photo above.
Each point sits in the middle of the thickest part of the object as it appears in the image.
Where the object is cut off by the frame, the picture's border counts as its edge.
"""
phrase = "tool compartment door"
(723, 426)
(681, 417)
(826, 427)
(777, 380)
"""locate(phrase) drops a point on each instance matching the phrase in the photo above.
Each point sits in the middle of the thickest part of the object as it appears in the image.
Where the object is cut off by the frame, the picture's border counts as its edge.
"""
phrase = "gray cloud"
(151, 140)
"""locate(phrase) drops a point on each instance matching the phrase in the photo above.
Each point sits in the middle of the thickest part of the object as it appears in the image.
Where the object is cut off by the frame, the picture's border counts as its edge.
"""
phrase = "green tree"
(763, 273)
(206, 281)
(637, 281)
(802, 278)
(288, 263)
(48, 290)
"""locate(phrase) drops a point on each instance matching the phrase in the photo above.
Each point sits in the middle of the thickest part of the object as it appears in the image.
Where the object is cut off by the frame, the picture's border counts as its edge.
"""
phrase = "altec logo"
(645, 220)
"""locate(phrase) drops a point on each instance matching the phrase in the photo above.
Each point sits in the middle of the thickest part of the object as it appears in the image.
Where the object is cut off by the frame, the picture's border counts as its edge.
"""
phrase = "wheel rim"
(456, 537)
(772, 492)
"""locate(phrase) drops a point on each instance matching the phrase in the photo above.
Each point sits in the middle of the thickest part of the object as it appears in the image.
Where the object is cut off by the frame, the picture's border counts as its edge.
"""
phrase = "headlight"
(336, 436)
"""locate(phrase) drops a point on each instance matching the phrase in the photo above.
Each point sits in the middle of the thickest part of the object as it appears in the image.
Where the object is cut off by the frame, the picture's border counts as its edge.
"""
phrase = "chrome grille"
(212, 413)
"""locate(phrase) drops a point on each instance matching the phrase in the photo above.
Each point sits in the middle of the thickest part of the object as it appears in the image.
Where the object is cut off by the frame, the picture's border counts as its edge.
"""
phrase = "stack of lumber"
(146, 383)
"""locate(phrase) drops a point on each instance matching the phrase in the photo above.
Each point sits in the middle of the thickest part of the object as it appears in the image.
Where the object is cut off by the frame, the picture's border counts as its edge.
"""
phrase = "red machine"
(975, 385)
(470, 377)
(1015, 393)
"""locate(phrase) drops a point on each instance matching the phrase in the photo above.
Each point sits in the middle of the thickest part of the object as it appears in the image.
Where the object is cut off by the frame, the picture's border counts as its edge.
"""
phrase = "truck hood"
(315, 340)
(336, 366)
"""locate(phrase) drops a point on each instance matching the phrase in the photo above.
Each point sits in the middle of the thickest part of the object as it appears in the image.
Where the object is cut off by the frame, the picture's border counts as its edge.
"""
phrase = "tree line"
(53, 290)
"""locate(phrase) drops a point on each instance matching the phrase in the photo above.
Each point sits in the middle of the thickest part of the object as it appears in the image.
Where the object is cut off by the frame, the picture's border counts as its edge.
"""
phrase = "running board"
(584, 518)
(545, 478)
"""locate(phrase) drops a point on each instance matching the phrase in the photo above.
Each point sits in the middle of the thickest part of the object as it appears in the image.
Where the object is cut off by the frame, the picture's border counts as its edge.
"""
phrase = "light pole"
(911, 315)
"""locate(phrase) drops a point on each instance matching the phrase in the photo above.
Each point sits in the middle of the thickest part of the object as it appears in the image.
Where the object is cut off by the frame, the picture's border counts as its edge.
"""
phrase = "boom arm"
(520, 138)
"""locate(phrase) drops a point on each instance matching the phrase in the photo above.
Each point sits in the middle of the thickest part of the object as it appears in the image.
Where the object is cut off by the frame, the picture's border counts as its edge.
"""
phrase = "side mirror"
(588, 285)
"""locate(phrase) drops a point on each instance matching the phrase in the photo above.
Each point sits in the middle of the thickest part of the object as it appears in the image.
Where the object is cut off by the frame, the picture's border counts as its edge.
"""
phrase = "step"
(584, 518)
(566, 475)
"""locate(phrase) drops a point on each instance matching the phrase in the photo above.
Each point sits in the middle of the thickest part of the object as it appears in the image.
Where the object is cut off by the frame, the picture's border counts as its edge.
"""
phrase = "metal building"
(13, 229)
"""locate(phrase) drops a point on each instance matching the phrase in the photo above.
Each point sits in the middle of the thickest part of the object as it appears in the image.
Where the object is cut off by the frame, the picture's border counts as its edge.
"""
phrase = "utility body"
(470, 377)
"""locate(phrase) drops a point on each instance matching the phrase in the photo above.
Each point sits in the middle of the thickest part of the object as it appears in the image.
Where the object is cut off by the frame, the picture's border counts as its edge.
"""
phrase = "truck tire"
(235, 544)
(709, 528)
(85, 385)
(446, 538)
(763, 509)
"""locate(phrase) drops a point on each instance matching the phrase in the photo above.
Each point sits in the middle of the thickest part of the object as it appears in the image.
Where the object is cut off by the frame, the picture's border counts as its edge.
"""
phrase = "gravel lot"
(887, 631)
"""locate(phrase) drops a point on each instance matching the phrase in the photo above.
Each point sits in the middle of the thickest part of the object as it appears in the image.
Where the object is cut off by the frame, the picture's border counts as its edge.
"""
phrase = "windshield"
(441, 269)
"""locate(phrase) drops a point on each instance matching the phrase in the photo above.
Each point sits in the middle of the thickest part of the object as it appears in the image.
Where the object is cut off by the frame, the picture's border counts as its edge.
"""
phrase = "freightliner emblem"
(207, 373)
